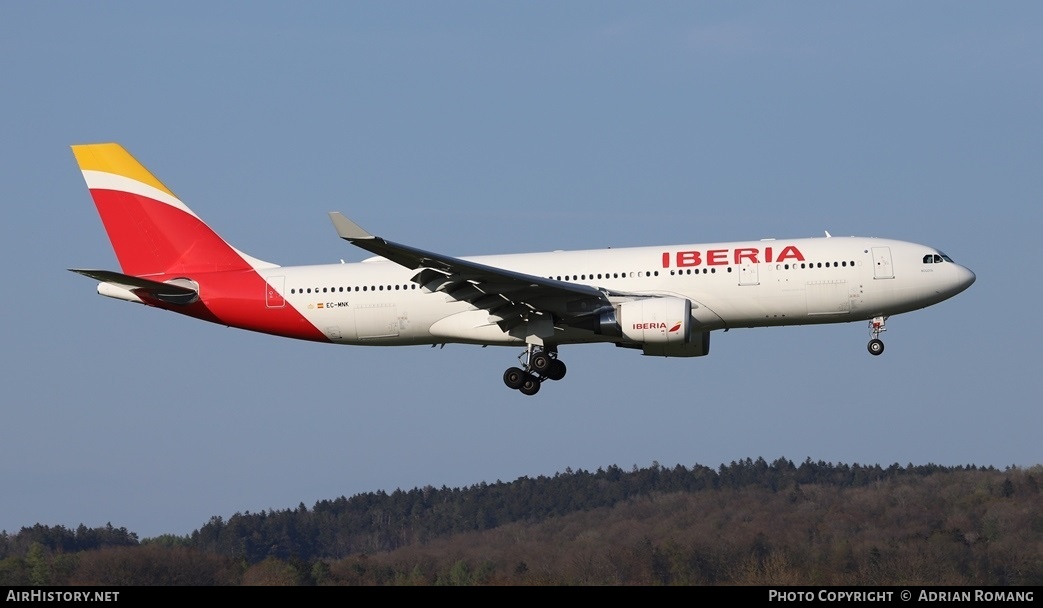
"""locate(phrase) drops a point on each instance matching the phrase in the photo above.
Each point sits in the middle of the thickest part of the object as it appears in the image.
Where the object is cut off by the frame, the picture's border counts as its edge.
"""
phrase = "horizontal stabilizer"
(171, 293)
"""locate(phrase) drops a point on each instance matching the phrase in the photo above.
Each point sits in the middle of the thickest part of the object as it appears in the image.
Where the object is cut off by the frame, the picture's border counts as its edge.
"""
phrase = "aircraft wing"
(512, 298)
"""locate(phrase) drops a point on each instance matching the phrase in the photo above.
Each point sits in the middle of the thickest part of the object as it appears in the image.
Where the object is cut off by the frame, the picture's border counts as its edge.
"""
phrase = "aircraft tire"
(514, 378)
(876, 347)
(540, 363)
(557, 370)
(530, 386)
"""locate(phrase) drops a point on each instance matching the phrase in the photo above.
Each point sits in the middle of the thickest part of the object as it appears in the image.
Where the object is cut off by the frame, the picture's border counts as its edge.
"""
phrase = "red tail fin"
(151, 230)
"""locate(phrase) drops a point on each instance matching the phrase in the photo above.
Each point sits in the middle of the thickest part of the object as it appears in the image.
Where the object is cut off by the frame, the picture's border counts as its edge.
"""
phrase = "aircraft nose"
(964, 278)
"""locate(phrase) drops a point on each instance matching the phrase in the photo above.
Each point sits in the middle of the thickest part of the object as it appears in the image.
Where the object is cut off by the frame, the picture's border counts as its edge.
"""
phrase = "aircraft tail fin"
(151, 230)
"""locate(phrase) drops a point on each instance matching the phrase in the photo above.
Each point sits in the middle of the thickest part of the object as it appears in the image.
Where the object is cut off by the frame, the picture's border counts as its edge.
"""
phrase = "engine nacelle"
(698, 346)
(660, 327)
(656, 320)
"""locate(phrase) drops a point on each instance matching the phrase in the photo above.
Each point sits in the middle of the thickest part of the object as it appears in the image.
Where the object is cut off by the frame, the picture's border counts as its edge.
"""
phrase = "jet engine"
(659, 326)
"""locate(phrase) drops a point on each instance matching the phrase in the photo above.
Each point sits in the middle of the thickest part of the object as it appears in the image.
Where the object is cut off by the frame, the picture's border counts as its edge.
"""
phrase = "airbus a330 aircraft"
(663, 301)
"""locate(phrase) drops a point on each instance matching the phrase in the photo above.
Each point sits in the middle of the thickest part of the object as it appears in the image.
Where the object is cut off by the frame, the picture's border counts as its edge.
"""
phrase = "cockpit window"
(946, 258)
(928, 259)
(936, 258)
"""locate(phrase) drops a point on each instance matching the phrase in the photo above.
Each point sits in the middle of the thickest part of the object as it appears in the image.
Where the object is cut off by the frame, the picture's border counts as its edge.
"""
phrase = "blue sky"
(472, 128)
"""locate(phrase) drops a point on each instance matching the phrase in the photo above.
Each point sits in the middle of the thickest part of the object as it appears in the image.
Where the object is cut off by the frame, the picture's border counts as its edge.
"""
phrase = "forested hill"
(741, 522)
(378, 521)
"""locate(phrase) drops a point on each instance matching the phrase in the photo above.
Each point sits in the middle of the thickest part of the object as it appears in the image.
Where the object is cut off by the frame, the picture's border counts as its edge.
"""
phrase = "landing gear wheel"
(540, 363)
(556, 370)
(514, 378)
(537, 363)
(530, 386)
(877, 326)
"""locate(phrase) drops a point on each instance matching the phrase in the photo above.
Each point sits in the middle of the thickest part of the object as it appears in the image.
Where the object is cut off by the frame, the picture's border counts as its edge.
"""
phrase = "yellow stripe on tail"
(112, 158)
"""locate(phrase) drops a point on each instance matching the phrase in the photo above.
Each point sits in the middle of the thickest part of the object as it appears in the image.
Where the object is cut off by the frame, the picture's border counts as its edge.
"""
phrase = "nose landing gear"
(537, 364)
(876, 327)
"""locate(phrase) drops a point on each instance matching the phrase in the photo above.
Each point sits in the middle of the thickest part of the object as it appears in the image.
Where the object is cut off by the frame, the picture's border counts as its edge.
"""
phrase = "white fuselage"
(743, 284)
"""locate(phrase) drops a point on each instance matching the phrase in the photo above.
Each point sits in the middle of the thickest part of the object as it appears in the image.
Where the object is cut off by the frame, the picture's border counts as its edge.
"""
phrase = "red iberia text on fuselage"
(724, 257)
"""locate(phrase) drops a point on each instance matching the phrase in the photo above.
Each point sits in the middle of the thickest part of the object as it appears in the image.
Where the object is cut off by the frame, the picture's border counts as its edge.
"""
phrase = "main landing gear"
(876, 327)
(537, 365)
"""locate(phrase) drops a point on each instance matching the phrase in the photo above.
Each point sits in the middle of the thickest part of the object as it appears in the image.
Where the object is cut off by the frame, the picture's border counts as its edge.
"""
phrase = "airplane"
(663, 301)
